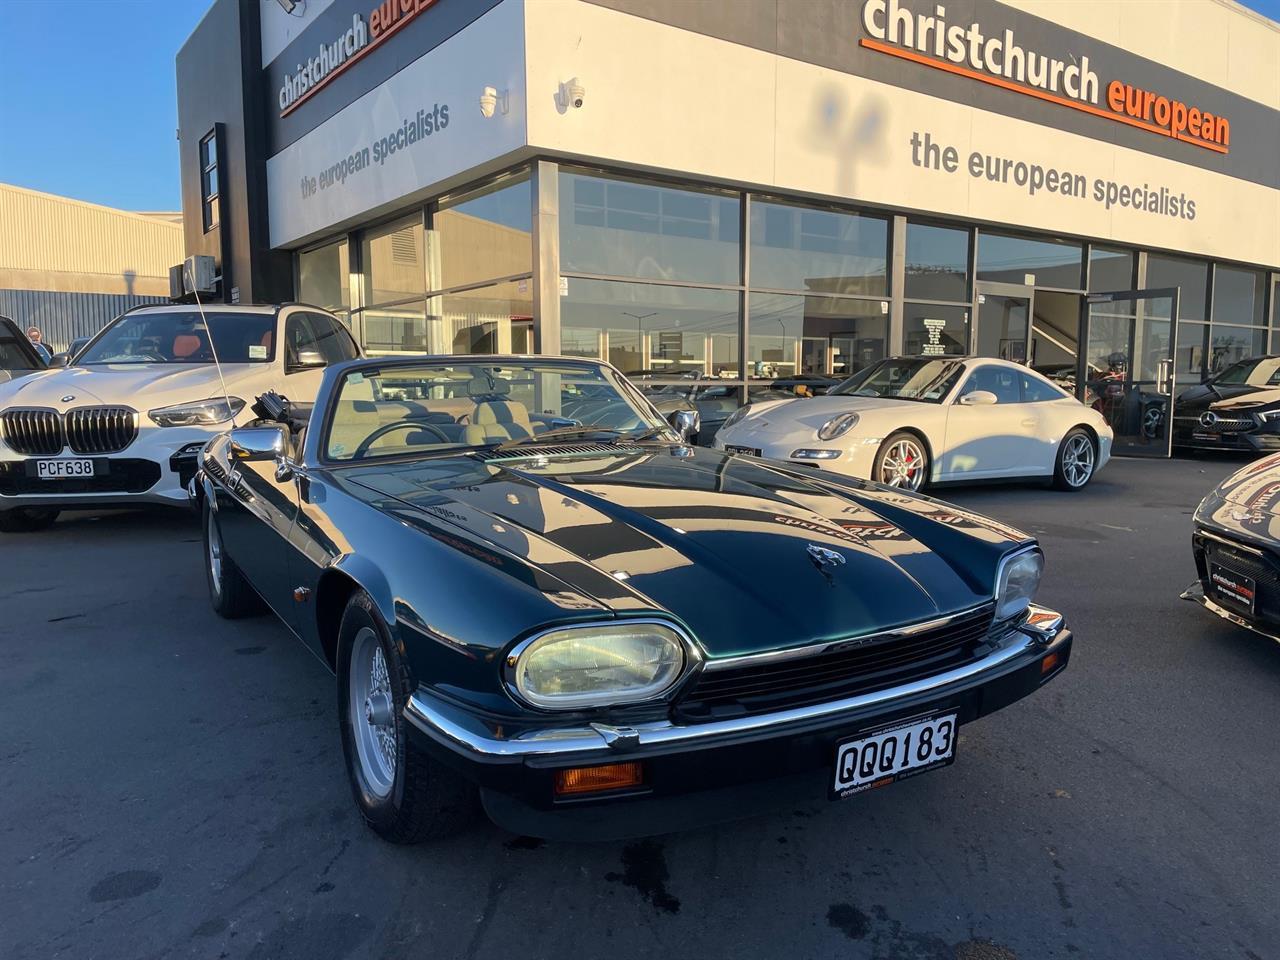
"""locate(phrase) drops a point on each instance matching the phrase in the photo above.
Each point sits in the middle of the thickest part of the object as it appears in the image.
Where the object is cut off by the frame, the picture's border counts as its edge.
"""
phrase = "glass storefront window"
(1189, 356)
(493, 319)
(1191, 275)
(1110, 270)
(796, 248)
(323, 277)
(483, 236)
(398, 329)
(393, 261)
(934, 330)
(651, 327)
(1049, 263)
(937, 262)
(626, 228)
(1238, 296)
(1229, 344)
(832, 335)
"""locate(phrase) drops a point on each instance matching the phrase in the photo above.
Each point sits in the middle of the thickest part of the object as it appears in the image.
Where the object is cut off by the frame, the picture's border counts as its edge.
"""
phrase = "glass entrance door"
(1003, 321)
(1128, 367)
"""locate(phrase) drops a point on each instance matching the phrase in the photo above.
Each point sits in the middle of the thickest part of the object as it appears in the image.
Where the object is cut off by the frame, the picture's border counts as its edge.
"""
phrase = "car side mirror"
(979, 398)
(60, 360)
(685, 422)
(258, 444)
(308, 360)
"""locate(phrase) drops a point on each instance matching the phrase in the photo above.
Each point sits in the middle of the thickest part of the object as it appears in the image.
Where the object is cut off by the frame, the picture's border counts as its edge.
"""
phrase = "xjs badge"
(823, 558)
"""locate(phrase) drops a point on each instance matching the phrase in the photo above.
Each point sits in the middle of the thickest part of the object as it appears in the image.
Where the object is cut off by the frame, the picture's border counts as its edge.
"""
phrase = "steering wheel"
(387, 428)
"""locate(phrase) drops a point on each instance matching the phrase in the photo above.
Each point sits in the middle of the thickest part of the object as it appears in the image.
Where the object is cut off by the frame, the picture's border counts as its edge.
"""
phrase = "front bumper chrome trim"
(482, 741)
(1195, 593)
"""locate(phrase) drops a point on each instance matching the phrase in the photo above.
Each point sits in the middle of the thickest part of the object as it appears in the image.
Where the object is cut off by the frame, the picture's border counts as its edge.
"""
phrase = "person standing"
(37, 341)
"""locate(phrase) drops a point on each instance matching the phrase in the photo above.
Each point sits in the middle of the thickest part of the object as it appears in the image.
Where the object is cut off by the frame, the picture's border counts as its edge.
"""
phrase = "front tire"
(27, 519)
(902, 461)
(229, 593)
(1077, 460)
(403, 794)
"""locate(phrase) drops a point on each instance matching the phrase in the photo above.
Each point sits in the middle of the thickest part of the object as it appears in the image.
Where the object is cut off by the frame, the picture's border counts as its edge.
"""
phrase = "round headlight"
(602, 665)
(837, 426)
(1017, 583)
(736, 416)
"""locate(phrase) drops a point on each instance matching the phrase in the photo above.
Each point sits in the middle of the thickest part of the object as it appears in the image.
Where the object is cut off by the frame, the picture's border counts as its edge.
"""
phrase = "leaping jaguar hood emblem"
(823, 558)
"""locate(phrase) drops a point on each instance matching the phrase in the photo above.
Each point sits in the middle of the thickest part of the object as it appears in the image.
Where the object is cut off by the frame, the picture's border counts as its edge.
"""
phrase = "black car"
(18, 356)
(1238, 409)
(1236, 543)
(597, 627)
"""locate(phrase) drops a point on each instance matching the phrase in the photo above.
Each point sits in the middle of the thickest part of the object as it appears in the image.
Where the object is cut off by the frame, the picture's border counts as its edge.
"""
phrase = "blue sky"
(87, 103)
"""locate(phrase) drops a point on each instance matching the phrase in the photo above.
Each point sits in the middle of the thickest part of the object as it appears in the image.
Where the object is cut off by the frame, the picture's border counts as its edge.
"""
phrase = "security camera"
(575, 93)
(488, 102)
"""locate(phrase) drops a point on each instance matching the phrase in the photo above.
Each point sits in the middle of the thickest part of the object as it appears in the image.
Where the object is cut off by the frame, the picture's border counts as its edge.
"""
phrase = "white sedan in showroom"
(122, 425)
(908, 421)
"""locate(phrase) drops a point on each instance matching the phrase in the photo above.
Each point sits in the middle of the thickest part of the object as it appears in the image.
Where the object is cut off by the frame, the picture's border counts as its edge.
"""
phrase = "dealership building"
(733, 191)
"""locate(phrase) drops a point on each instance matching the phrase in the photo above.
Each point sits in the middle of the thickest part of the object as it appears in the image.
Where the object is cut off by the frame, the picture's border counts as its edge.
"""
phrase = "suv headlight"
(1017, 583)
(837, 426)
(202, 414)
(736, 416)
(593, 666)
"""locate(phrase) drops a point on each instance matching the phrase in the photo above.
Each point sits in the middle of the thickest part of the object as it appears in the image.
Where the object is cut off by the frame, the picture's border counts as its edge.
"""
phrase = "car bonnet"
(749, 556)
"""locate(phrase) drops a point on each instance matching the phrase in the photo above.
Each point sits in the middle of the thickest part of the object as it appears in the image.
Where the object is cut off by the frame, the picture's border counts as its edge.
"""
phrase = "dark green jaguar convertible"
(533, 590)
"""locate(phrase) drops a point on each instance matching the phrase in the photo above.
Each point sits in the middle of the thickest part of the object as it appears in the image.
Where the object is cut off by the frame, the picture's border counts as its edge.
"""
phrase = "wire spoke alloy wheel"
(372, 712)
(1077, 460)
(903, 465)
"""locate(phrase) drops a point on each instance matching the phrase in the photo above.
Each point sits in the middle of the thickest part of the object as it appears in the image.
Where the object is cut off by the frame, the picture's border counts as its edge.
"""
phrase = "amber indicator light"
(1048, 663)
(611, 776)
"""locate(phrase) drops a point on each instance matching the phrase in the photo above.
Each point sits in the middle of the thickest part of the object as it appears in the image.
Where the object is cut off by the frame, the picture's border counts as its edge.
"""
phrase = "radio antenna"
(213, 347)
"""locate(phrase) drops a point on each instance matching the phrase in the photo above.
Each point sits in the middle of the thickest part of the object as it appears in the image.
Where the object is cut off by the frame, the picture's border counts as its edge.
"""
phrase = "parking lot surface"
(173, 786)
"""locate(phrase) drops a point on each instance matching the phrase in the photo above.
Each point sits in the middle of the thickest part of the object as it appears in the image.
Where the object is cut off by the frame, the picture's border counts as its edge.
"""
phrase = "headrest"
(185, 344)
(484, 387)
(501, 411)
(267, 339)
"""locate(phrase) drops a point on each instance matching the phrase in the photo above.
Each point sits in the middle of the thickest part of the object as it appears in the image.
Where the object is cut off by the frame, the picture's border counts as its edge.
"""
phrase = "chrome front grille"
(100, 429)
(33, 432)
(1217, 424)
(88, 430)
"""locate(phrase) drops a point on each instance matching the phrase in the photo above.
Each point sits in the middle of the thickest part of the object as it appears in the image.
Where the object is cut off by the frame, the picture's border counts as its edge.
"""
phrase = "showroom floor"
(173, 786)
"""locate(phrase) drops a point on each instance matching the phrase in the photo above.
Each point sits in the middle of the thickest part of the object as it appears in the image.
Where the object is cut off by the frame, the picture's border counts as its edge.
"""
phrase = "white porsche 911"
(908, 421)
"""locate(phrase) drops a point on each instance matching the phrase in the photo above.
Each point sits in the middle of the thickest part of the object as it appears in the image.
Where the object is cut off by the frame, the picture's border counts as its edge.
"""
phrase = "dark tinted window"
(1035, 390)
(12, 356)
(315, 332)
(1002, 381)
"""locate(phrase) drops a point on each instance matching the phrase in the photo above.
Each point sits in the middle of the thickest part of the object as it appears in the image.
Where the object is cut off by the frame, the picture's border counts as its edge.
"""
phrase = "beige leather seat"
(494, 421)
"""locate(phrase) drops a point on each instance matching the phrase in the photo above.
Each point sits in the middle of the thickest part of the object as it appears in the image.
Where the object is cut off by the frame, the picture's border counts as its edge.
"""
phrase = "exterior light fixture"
(491, 102)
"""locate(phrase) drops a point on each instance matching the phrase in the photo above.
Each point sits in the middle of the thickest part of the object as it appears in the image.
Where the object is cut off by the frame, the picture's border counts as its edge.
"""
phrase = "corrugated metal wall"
(39, 231)
(62, 317)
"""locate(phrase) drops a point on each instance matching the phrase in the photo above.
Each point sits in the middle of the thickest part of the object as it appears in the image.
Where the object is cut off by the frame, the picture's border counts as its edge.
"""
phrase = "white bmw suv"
(122, 425)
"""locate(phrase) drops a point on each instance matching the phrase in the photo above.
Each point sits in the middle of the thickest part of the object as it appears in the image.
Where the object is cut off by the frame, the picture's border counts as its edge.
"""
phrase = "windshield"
(924, 379)
(434, 406)
(1258, 372)
(180, 336)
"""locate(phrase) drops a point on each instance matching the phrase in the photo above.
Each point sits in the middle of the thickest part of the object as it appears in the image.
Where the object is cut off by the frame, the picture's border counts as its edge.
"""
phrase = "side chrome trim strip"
(477, 740)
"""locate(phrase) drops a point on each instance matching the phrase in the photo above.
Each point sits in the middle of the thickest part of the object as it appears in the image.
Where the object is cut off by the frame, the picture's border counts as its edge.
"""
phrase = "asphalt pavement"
(173, 786)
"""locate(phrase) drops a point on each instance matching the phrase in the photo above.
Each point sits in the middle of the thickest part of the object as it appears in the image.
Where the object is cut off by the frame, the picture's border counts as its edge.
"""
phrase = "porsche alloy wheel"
(372, 713)
(1077, 459)
(902, 462)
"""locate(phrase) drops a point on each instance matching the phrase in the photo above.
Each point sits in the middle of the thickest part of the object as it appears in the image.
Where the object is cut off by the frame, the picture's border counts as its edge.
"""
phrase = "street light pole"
(639, 318)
